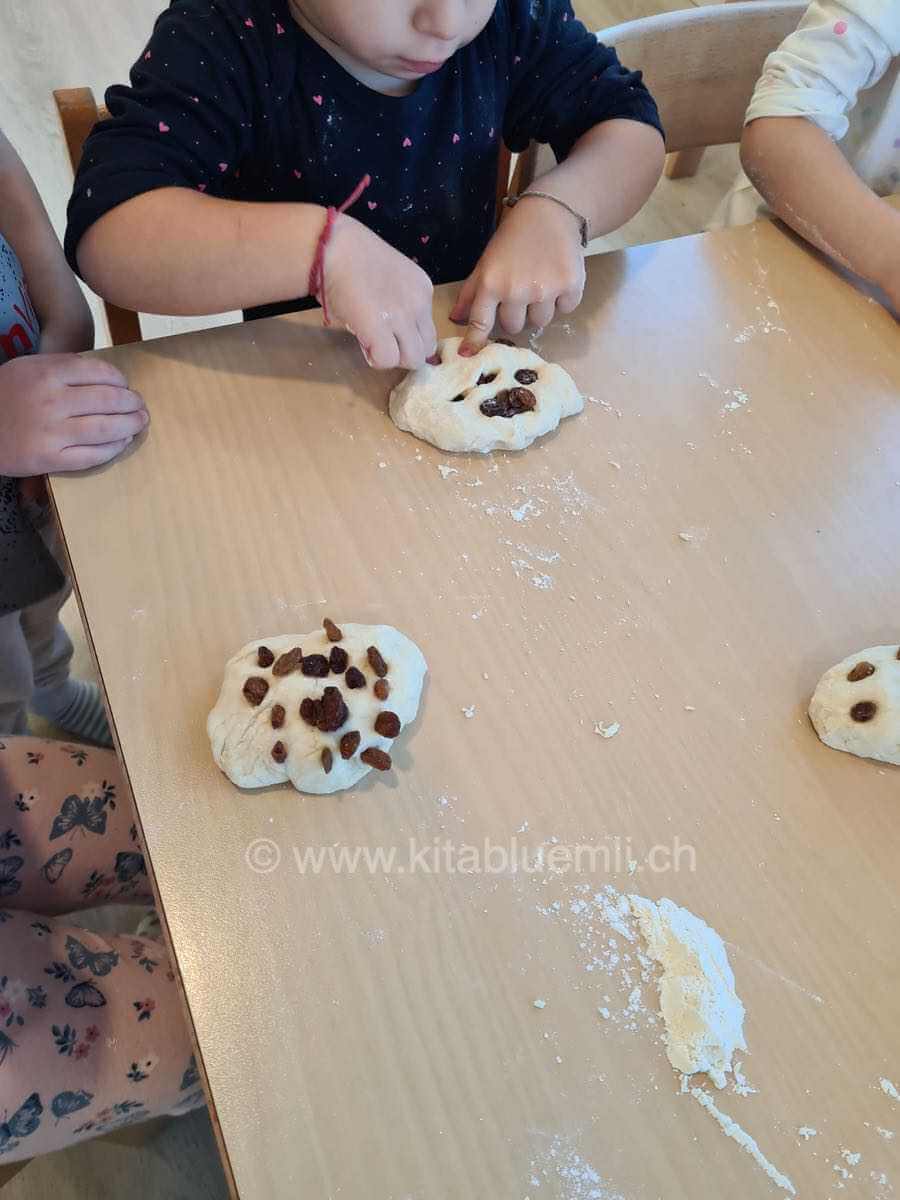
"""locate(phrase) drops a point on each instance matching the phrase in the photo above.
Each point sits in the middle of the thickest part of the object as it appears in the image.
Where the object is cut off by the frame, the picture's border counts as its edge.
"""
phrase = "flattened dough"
(856, 705)
(425, 403)
(241, 729)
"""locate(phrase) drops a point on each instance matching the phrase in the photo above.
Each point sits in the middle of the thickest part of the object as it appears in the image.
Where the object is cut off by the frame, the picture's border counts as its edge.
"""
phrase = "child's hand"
(533, 268)
(380, 296)
(59, 412)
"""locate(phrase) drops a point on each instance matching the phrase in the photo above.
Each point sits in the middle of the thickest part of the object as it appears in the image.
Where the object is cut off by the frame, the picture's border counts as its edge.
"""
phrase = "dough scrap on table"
(502, 398)
(856, 705)
(319, 710)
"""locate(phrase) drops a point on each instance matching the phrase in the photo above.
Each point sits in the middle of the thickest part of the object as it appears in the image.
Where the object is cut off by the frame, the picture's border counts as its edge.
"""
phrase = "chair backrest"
(701, 64)
(78, 113)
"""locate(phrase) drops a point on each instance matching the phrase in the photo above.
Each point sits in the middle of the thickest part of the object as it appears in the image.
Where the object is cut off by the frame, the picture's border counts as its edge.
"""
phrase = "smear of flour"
(889, 1090)
(730, 1127)
(569, 1174)
(807, 1132)
(703, 1016)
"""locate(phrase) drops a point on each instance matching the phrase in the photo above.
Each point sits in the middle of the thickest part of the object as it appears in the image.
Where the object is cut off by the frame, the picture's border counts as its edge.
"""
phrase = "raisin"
(349, 744)
(255, 689)
(333, 711)
(355, 678)
(333, 633)
(376, 758)
(503, 342)
(338, 659)
(487, 377)
(898, 654)
(862, 670)
(864, 711)
(456, 399)
(315, 665)
(376, 662)
(327, 760)
(387, 724)
(278, 715)
(264, 657)
(288, 662)
(509, 403)
(526, 375)
(279, 752)
(311, 711)
(382, 689)
(434, 360)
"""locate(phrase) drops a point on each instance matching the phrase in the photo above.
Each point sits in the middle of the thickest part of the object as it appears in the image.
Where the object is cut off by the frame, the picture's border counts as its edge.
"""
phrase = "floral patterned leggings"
(92, 1030)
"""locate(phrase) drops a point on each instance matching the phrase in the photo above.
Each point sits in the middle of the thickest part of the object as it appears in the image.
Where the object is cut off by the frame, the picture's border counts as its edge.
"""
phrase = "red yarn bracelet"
(317, 270)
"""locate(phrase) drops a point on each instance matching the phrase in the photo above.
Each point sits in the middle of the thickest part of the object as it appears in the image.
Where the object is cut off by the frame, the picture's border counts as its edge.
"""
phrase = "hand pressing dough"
(261, 736)
(448, 404)
(856, 705)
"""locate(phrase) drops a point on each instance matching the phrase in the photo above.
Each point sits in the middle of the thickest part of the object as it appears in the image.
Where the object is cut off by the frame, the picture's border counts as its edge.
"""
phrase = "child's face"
(402, 39)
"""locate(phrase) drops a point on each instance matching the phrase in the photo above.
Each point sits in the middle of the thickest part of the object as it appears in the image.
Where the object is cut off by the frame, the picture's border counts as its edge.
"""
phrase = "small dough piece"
(442, 404)
(857, 709)
(265, 741)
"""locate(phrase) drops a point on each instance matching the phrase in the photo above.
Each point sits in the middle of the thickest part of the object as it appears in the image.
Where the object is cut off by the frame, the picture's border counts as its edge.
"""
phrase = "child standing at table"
(822, 141)
(92, 1028)
(208, 187)
(58, 412)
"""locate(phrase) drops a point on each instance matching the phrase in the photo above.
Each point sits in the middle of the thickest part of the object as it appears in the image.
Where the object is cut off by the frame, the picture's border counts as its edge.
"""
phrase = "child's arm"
(534, 265)
(63, 313)
(797, 114)
(572, 92)
(150, 227)
(811, 186)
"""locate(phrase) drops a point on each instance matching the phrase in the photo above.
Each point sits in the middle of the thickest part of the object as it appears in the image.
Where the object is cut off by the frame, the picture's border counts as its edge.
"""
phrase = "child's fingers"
(459, 313)
(412, 348)
(570, 300)
(383, 353)
(87, 372)
(100, 430)
(512, 317)
(82, 458)
(428, 335)
(482, 318)
(541, 314)
(99, 399)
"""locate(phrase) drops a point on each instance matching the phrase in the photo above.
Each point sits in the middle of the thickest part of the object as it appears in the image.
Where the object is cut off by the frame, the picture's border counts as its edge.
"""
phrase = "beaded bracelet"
(512, 201)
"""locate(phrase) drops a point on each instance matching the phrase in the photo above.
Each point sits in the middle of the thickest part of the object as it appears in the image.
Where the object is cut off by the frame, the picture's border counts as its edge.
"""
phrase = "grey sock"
(76, 707)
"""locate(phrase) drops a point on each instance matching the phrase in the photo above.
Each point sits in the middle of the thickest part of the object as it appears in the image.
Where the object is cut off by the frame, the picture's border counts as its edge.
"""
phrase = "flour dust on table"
(320, 710)
(856, 705)
(502, 398)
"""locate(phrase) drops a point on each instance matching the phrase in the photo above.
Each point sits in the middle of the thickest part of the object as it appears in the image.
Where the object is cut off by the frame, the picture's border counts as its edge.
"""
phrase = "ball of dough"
(856, 705)
(500, 399)
(259, 736)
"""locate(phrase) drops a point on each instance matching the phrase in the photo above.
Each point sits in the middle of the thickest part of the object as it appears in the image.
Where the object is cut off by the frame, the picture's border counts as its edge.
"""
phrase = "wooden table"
(685, 558)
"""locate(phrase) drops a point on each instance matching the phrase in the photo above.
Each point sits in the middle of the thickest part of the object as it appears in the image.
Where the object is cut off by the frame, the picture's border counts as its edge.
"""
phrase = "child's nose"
(441, 19)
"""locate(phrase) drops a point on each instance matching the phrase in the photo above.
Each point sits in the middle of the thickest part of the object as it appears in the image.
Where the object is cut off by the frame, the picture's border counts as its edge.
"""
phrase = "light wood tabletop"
(683, 559)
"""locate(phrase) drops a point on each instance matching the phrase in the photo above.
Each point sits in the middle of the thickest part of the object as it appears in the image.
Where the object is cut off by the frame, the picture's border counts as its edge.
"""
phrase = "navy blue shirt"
(232, 98)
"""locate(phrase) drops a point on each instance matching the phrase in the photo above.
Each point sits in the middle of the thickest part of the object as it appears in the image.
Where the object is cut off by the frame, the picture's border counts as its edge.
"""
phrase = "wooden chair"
(701, 65)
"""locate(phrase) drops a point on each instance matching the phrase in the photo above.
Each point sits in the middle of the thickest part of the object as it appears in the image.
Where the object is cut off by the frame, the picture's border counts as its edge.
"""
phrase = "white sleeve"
(839, 50)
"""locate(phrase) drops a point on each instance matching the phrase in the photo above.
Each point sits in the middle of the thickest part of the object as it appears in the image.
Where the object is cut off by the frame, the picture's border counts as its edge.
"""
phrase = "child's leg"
(16, 680)
(93, 1036)
(68, 838)
(72, 704)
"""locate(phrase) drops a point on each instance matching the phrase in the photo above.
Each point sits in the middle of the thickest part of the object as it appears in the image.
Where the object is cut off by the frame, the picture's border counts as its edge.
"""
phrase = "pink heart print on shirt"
(223, 167)
(455, 139)
(373, 204)
(317, 100)
(425, 239)
(298, 174)
(249, 23)
(148, 56)
(163, 127)
(840, 28)
(279, 28)
(201, 187)
(406, 143)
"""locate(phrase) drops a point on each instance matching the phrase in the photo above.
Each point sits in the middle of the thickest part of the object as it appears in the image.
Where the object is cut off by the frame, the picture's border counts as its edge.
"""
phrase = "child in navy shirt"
(208, 188)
